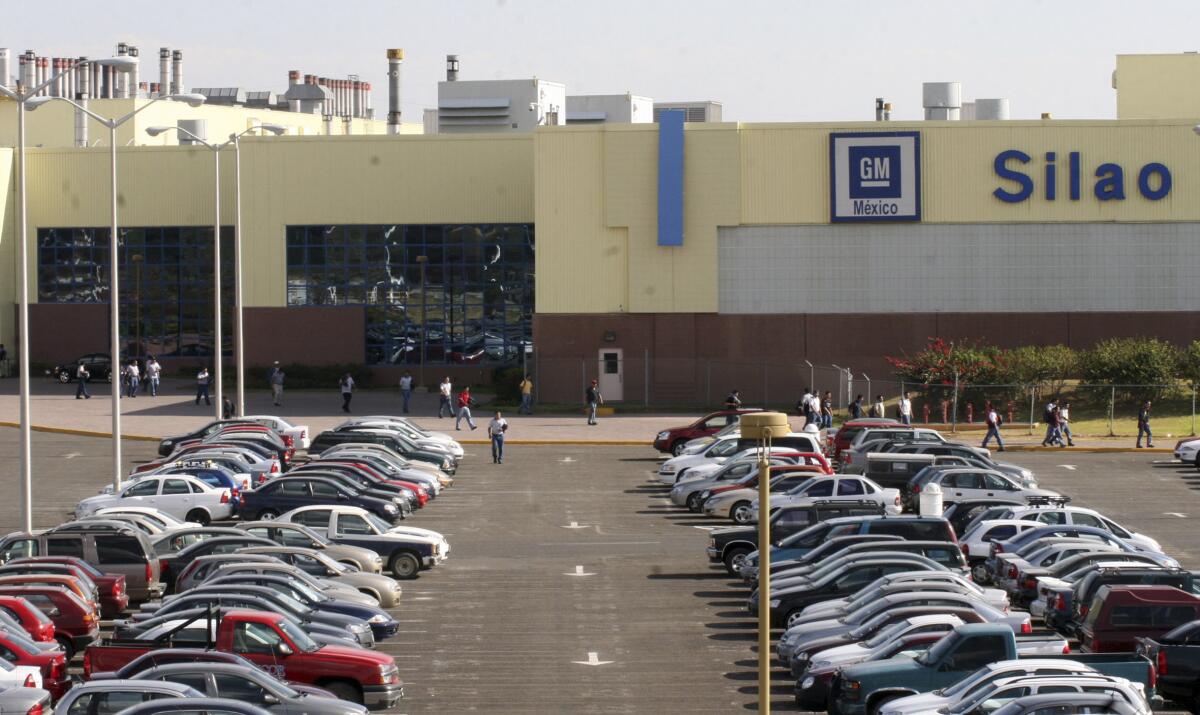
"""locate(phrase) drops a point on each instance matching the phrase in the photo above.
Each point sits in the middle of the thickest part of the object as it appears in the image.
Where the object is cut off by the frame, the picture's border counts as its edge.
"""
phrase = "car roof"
(206, 666)
(1144, 593)
(131, 685)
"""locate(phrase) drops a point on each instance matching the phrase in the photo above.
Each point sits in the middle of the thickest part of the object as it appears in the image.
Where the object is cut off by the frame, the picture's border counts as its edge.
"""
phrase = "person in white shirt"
(153, 370)
(444, 393)
(347, 385)
(804, 406)
(496, 429)
(905, 409)
(406, 383)
(134, 378)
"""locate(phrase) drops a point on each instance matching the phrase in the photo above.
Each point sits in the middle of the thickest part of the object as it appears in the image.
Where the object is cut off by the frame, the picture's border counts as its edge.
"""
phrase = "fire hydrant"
(925, 411)
(1011, 407)
(945, 412)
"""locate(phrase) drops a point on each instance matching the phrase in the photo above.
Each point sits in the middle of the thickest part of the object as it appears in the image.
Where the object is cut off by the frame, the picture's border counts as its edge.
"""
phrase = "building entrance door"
(612, 380)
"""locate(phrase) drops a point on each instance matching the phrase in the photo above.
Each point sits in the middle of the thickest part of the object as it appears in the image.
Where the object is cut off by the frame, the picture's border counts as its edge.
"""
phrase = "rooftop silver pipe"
(5, 67)
(395, 61)
(451, 68)
(164, 70)
(177, 72)
(131, 78)
(82, 72)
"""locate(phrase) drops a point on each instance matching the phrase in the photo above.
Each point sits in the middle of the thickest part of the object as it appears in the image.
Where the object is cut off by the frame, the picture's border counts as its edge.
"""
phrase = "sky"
(763, 60)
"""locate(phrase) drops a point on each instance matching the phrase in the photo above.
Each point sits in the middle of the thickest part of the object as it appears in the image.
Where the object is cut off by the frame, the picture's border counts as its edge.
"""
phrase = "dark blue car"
(283, 494)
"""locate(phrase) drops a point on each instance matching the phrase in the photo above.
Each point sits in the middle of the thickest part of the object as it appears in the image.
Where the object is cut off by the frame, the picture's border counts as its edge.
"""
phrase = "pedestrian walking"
(123, 372)
(406, 382)
(153, 375)
(202, 381)
(993, 420)
(81, 380)
(3, 361)
(593, 398)
(227, 408)
(733, 402)
(1144, 425)
(1064, 423)
(464, 408)
(526, 397)
(444, 404)
(347, 386)
(275, 380)
(496, 429)
(1050, 417)
(877, 409)
(905, 409)
(827, 410)
(856, 408)
(804, 406)
(134, 378)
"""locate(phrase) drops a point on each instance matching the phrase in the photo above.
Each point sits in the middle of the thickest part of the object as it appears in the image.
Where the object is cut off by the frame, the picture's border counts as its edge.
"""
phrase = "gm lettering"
(1153, 179)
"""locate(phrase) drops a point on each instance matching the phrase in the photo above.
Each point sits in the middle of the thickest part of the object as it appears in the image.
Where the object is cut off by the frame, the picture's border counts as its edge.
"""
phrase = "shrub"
(1132, 361)
(941, 361)
(1189, 364)
(507, 383)
(1051, 365)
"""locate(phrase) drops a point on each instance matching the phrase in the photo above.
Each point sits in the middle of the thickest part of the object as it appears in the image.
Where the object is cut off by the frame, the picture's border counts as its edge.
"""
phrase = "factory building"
(585, 249)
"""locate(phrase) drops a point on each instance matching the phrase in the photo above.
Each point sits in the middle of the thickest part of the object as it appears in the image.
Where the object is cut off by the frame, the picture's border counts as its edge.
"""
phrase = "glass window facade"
(461, 292)
(166, 283)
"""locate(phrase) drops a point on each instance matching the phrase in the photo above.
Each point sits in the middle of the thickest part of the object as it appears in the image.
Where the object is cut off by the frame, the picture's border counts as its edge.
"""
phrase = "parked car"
(110, 547)
(50, 661)
(1061, 514)
(383, 588)
(406, 550)
(191, 706)
(330, 587)
(673, 439)
(76, 623)
(978, 457)
(298, 535)
(1119, 615)
(1176, 658)
(174, 564)
(838, 487)
(840, 440)
(690, 493)
(1067, 604)
(984, 678)
(36, 624)
(108, 590)
(732, 546)
(104, 697)
(853, 457)
(972, 483)
(249, 684)
(284, 494)
(812, 690)
(98, 365)
(739, 501)
(298, 433)
(179, 495)
(1071, 704)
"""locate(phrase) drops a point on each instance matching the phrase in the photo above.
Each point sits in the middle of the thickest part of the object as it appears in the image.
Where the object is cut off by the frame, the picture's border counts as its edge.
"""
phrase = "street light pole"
(218, 352)
(238, 353)
(113, 257)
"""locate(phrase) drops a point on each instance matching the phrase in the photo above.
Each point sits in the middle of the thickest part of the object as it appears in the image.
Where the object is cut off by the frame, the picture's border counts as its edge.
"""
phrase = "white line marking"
(1068, 466)
(595, 543)
(72, 455)
(706, 528)
(1175, 513)
(593, 659)
(579, 572)
(566, 460)
(575, 525)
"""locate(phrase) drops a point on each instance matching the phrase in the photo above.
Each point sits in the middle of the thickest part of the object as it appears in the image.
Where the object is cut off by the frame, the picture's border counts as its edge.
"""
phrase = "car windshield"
(939, 649)
(885, 635)
(380, 526)
(312, 534)
(297, 636)
(308, 591)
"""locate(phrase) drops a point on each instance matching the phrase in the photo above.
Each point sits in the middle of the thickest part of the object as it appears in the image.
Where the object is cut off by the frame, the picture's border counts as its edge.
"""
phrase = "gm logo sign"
(875, 176)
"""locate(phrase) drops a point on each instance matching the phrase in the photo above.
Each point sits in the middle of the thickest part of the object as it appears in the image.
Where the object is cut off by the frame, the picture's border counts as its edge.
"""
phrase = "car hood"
(417, 532)
(840, 655)
(894, 668)
(925, 702)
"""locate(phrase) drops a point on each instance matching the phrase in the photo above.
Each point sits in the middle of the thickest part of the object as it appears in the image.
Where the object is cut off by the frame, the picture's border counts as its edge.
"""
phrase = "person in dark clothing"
(593, 398)
(1144, 425)
(347, 386)
(856, 408)
(202, 381)
(732, 402)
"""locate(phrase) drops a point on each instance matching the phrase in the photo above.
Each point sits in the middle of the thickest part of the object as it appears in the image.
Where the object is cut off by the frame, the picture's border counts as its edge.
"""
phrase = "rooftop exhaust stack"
(131, 79)
(993, 109)
(164, 70)
(395, 59)
(942, 100)
(177, 72)
(5, 68)
(82, 74)
(121, 91)
(879, 109)
(451, 68)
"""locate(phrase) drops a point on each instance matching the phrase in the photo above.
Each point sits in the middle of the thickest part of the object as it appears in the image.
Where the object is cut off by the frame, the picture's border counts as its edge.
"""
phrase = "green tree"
(1146, 365)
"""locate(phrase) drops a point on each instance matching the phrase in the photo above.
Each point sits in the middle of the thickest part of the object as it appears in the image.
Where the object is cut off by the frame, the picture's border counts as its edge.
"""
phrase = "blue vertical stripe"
(670, 178)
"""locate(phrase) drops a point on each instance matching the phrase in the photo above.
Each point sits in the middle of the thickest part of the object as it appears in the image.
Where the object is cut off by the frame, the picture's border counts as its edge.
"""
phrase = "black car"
(360, 483)
(382, 625)
(283, 494)
(330, 438)
(168, 444)
(173, 564)
(730, 546)
(205, 607)
(166, 656)
(98, 364)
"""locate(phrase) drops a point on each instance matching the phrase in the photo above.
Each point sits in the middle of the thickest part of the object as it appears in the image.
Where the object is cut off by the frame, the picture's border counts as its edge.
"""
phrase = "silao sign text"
(1153, 179)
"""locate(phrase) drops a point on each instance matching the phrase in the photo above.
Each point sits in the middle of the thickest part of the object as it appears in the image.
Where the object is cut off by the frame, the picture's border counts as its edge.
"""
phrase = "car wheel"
(64, 378)
(793, 617)
(693, 502)
(405, 566)
(198, 516)
(879, 702)
(677, 447)
(343, 690)
(268, 515)
(981, 575)
(68, 647)
(1197, 460)
(734, 559)
(742, 513)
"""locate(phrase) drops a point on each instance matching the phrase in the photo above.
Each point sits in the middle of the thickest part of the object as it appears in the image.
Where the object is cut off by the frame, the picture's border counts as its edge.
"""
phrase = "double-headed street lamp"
(194, 100)
(237, 256)
(28, 97)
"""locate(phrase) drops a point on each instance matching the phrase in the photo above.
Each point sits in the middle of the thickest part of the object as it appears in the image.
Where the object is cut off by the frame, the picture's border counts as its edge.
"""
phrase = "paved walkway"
(174, 412)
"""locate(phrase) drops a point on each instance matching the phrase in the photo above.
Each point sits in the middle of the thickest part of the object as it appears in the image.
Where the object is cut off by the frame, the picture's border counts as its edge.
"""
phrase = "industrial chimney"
(5, 68)
(164, 70)
(177, 72)
(451, 68)
(120, 91)
(131, 79)
(395, 59)
(82, 74)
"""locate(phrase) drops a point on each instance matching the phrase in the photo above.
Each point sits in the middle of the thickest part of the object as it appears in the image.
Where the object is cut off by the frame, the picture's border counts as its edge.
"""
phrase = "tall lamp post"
(194, 100)
(218, 348)
(27, 98)
(762, 427)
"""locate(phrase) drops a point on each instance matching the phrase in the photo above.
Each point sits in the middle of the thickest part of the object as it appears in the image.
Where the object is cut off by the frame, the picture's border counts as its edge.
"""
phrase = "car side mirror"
(283, 649)
(342, 497)
(54, 612)
(269, 699)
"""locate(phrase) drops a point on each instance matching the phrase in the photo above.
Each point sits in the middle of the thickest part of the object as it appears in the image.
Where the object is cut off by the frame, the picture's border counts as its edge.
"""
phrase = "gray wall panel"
(960, 268)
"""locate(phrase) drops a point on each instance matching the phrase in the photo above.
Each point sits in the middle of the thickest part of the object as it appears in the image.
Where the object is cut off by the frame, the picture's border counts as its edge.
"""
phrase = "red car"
(76, 624)
(19, 650)
(113, 597)
(420, 491)
(672, 440)
(1119, 615)
(37, 624)
(840, 441)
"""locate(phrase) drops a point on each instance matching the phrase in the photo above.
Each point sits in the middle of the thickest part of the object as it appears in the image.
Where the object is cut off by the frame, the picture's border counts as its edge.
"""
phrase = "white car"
(19, 676)
(164, 521)
(298, 433)
(977, 543)
(419, 435)
(1083, 517)
(736, 503)
(838, 487)
(334, 521)
(980, 680)
(179, 495)
(991, 697)
(1188, 451)
(905, 581)
(724, 450)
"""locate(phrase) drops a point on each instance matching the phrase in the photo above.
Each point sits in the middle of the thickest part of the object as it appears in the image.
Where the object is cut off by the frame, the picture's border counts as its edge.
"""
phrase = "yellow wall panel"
(1158, 86)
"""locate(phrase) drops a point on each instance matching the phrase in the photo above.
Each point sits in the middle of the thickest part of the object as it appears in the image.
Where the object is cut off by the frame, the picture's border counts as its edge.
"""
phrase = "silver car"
(252, 685)
(110, 696)
(298, 535)
(383, 588)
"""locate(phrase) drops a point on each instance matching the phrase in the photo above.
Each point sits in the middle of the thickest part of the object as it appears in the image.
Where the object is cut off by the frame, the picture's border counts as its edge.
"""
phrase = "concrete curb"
(566, 442)
(1097, 450)
(82, 432)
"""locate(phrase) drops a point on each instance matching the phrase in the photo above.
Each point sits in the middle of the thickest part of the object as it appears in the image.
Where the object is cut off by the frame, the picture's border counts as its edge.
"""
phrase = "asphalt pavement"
(573, 585)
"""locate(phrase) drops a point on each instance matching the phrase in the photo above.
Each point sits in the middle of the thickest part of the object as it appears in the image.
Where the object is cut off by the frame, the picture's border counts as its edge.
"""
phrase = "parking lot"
(573, 586)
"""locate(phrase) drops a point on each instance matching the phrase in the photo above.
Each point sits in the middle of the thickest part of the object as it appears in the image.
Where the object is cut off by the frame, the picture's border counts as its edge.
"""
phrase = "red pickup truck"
(278, 646)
